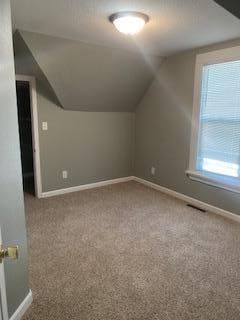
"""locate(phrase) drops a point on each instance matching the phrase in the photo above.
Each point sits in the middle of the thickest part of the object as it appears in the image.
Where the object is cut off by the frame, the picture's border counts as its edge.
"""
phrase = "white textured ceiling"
(174, 25)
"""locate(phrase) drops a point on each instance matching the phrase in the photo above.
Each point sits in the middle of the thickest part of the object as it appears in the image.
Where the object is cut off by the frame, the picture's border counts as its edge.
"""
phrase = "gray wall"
(87, 77)
(163, 129)
(98, 146)
(12, 218)
(92, 146)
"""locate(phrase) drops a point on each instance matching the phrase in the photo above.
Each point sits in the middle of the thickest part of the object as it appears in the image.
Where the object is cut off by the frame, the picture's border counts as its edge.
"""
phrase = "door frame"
(3, 294)
(35, 132)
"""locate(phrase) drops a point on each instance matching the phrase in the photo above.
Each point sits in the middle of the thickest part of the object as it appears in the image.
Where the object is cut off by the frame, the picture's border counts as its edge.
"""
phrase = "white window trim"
(214, 57)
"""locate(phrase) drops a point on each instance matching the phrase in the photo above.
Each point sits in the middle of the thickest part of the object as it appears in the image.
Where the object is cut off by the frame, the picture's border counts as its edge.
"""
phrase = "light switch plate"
(65, 174)
(44, 126)
(153, 171)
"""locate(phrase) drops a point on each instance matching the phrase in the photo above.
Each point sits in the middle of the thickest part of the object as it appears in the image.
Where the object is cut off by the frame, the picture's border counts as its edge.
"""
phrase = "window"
(215, 144)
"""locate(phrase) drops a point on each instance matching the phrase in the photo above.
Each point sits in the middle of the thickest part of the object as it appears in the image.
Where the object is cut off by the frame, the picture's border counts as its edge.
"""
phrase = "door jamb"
(3, 294)
(35, 132)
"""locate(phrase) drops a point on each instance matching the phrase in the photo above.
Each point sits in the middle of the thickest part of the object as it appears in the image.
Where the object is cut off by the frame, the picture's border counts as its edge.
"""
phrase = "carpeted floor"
(127, 252)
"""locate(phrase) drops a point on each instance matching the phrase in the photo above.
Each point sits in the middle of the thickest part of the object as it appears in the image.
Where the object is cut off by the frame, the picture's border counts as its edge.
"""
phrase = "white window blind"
(218, 150)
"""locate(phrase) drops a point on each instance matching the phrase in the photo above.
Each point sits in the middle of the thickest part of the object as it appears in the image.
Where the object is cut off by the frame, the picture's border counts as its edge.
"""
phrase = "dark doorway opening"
(25, 133)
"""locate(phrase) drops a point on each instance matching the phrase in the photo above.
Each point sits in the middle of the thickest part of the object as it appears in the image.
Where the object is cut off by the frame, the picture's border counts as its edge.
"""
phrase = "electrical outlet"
(153, 171)
(65, 174)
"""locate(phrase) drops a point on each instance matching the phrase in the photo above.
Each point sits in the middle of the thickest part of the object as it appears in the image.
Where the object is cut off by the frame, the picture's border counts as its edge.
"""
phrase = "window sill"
(214, 180)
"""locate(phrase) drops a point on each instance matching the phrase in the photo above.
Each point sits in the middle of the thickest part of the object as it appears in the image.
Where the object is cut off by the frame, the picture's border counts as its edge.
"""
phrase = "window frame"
(216, 180)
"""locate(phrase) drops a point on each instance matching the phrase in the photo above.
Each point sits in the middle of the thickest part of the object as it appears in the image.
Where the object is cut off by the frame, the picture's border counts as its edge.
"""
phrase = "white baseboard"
(18, 314)
(85, 187)
(193, 201)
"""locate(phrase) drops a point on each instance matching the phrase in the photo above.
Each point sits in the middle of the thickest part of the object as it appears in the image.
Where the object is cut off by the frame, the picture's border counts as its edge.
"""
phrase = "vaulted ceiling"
(87, 77)
(174, 25)
(89, 66)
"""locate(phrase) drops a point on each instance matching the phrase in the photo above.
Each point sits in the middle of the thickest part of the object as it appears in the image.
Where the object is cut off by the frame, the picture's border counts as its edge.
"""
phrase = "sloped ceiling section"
(232, 6)
(26, 64)
(88, 77)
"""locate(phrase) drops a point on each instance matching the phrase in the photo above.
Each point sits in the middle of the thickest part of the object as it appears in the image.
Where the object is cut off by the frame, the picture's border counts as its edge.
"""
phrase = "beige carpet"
(127, 252)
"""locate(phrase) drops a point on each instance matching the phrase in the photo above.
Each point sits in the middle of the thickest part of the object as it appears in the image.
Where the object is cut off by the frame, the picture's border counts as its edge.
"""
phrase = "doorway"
(25, 134)
(28, 134)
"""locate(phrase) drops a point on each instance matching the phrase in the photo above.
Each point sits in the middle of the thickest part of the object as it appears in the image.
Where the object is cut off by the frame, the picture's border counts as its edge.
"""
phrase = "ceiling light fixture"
(129, 22)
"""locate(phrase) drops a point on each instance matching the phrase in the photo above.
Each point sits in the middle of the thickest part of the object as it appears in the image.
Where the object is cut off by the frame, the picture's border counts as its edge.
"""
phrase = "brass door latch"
(9, 252)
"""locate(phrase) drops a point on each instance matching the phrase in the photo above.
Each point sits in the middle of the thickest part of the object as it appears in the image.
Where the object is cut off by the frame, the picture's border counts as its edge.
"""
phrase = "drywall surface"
(163, 130)
(91, 146)
(88, 77)
(12, 217)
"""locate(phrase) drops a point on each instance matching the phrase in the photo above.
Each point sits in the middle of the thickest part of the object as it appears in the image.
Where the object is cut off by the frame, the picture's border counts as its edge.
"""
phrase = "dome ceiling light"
(129, 22)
